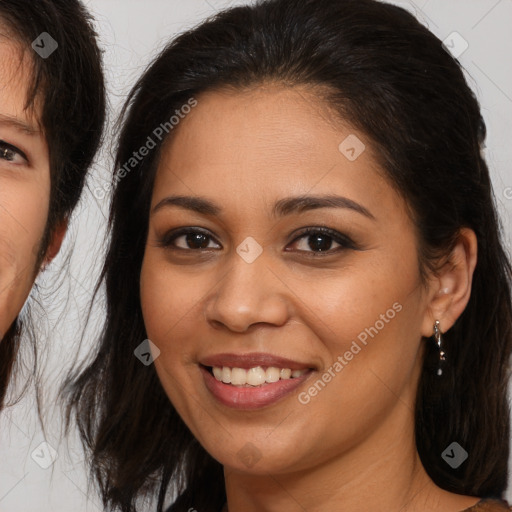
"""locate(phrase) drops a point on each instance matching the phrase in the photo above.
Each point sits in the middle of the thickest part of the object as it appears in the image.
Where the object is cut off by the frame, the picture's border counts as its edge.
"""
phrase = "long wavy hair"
(391, 78)
(70, 86)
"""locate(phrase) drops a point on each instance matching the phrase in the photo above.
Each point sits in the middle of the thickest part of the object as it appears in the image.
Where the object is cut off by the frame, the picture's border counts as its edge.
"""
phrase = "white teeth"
(285, 373)
(226, 375)
(272, 374)
(238, 376)
(254, 376)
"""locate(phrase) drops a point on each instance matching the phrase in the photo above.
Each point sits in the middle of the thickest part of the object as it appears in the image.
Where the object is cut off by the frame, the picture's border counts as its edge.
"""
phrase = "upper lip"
(251, 360)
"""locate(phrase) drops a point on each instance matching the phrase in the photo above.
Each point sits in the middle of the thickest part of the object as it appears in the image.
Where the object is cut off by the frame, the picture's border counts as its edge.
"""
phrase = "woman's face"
(24, 184)
(275, 244)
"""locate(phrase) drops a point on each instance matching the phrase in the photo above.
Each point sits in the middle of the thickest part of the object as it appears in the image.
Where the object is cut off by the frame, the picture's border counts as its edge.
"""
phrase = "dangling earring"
(439, 340)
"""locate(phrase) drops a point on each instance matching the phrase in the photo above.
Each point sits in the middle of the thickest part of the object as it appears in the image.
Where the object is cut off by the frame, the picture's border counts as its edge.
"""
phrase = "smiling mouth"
(253, 387)
(257, 376)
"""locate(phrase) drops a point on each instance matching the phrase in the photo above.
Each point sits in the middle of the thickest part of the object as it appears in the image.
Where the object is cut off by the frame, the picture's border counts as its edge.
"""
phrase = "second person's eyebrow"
(18, 124)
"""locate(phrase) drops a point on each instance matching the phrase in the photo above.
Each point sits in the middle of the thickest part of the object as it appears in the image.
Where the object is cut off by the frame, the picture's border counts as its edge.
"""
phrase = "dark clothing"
(489, 505)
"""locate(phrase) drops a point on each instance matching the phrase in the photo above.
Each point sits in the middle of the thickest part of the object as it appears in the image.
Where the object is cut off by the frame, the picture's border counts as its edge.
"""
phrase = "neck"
(382, 485)
(383, 472)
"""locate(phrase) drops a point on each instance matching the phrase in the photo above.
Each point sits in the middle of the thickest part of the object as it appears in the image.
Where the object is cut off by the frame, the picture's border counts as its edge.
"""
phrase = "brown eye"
(317, 243)
(190, 239)
(195, 240)
(322, 241)
(11, 154)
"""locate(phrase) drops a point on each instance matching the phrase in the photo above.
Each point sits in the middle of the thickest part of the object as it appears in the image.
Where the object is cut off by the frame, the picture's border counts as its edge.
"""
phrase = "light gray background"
(131, 32)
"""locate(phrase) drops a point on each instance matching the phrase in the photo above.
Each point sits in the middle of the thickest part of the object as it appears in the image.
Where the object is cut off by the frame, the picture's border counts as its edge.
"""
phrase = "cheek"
(157, 294)
(23, 215)
(369, 321)
(169, 303)
(367, 317)
(359, 299)
(169, 300)
(369, 332)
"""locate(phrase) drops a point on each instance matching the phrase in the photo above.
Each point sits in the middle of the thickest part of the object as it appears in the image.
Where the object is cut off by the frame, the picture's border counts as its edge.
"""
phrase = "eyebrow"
(18, 124)
(283, 207)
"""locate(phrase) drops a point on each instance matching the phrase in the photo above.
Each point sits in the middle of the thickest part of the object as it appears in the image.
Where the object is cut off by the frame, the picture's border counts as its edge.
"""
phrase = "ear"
(56, 242)
(450, 288)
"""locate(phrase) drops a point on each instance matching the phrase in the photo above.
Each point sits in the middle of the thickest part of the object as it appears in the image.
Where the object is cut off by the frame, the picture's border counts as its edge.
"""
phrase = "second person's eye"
(11, 154)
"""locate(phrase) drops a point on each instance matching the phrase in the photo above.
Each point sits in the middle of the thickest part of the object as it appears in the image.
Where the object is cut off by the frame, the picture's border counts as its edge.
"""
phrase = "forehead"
(277, 134)
(236, 121)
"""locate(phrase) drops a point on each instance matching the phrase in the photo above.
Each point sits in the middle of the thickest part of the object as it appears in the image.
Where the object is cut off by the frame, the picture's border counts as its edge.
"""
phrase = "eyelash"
(13, 149)
(344, 241)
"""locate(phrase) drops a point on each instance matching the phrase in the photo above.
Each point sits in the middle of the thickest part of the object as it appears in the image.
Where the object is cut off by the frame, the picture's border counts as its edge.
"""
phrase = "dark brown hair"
(70, 86)
(391, 78)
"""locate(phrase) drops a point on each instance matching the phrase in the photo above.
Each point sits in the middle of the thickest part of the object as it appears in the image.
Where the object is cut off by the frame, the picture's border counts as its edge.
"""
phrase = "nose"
(249, 294)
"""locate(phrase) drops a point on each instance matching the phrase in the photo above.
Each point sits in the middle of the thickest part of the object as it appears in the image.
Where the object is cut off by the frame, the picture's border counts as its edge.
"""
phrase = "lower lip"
(239, 397)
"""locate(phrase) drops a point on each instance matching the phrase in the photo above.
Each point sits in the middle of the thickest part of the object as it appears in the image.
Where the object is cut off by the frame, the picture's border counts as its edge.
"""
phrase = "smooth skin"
(24, 185)
(352, 446)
